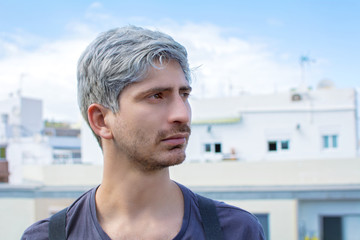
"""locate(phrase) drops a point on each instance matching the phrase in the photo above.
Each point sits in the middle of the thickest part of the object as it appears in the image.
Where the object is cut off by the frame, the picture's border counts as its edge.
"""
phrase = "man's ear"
(98, 119)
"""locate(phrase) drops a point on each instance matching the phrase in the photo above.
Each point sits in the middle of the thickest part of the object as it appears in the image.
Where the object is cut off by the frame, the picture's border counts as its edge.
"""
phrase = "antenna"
(304, 60)
(21, 80)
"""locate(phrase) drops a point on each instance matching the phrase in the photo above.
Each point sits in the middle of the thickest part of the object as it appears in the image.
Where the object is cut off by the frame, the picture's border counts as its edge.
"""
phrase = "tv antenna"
(304, 61)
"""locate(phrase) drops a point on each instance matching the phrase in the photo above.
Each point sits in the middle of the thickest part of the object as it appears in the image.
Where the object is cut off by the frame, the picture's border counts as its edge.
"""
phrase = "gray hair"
(120, 57)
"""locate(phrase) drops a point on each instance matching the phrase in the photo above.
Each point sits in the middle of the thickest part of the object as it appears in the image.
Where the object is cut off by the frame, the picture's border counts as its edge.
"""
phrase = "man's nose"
(180, 111)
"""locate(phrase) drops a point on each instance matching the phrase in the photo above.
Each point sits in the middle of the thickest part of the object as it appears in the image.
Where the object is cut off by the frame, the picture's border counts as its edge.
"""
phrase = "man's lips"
(176, 139)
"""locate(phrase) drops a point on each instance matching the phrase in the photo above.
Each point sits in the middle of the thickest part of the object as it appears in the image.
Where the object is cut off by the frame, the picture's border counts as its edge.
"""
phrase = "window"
(272, 146)
(65, 156)
(76, 155)
(330, 141)
(332, 228)
(207, 147)
(212, 147)
(340, 227)
(334, 141)
(218, 147)
(285, 145)
(326, 141)
(264, 221)
(278, 145)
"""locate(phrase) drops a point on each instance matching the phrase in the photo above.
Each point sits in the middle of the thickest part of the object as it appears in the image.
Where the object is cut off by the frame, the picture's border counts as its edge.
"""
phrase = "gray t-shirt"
(82, 223)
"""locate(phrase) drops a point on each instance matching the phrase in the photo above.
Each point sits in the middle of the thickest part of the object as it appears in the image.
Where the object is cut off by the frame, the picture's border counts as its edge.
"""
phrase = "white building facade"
(296, 125)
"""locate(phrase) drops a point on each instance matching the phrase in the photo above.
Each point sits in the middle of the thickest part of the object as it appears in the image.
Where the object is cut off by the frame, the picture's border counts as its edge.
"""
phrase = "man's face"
(152, 127)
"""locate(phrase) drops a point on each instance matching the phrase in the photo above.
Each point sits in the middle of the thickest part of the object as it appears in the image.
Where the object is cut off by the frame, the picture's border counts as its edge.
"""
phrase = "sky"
(235, 47)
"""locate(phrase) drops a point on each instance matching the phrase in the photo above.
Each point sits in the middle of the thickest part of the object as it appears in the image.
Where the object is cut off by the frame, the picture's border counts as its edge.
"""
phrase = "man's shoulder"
(38, 231)
(233, 213)
(235, 220)
(226, 212)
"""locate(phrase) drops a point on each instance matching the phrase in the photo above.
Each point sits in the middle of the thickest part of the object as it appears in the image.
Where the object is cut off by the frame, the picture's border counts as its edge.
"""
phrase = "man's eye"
(185, 94)
(156, 96)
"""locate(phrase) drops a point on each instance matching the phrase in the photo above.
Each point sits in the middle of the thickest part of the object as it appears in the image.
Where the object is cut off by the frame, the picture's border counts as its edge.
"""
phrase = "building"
(65, 142)
(311, 124)
(25, 140)
(292, 199)
(289, 158)
(20, 117)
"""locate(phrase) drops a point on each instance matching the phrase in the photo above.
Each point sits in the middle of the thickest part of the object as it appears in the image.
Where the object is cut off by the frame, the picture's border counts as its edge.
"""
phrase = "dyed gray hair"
(120, 57)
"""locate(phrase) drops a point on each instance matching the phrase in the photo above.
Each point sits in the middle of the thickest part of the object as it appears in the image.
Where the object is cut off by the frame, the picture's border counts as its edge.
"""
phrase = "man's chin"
(169, 161)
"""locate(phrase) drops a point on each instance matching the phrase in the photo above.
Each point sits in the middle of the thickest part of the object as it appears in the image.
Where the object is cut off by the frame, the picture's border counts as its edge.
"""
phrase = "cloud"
(48, 73)
(226, 65)
(95, 5)
(230, 65)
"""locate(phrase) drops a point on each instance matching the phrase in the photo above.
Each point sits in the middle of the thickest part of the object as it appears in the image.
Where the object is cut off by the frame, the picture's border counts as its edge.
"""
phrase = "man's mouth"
(176, 139)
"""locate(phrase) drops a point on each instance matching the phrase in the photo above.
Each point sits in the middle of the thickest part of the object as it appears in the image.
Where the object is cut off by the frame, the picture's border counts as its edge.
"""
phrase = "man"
(133, 90)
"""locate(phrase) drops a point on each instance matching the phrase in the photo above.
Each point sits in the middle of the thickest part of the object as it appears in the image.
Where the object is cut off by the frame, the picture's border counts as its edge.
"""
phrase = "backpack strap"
(210, 220)
(57, 226)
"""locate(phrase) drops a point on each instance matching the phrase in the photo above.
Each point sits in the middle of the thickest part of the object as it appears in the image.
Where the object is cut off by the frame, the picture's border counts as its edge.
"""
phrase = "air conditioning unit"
(296, 97)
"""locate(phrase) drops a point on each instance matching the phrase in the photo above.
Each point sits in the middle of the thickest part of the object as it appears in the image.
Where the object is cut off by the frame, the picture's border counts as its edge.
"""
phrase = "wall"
(63, 175)
(249, 136)
(46, 207)
(90, 151)
(31, 116)
(282, 216)
(271, 173)
(16, 215)
(276, 117)
(26, 151)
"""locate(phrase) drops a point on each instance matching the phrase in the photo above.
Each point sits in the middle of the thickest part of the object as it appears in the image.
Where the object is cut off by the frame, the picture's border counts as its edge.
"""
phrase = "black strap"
(210, 219)
(57, 226)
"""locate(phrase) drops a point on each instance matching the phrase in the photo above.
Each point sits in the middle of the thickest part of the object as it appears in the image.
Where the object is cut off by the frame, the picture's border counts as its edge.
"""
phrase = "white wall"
(272, 173)
(31, 115)
(90, 150)
(24, 151)
(25, 114)
(303, 125)
(16, 215)
(63, 175)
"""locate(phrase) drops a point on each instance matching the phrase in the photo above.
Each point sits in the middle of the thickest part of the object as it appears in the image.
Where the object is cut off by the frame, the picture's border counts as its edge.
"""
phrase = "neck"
(126, 190)
(132, 203)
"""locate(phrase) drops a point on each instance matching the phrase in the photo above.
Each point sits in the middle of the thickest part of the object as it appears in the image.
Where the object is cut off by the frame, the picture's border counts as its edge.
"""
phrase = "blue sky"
(240, 46)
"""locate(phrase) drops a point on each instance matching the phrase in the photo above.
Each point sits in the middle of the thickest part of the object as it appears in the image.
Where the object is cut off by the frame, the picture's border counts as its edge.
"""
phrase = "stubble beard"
(151, 161)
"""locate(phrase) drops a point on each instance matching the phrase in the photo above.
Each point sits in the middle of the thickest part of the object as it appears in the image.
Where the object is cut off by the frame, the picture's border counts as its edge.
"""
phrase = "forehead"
(167, 75)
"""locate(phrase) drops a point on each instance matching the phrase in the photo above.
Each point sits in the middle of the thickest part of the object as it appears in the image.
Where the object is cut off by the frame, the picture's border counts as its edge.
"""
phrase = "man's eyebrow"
(186, 88)
(163, 89)
(156, 89)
